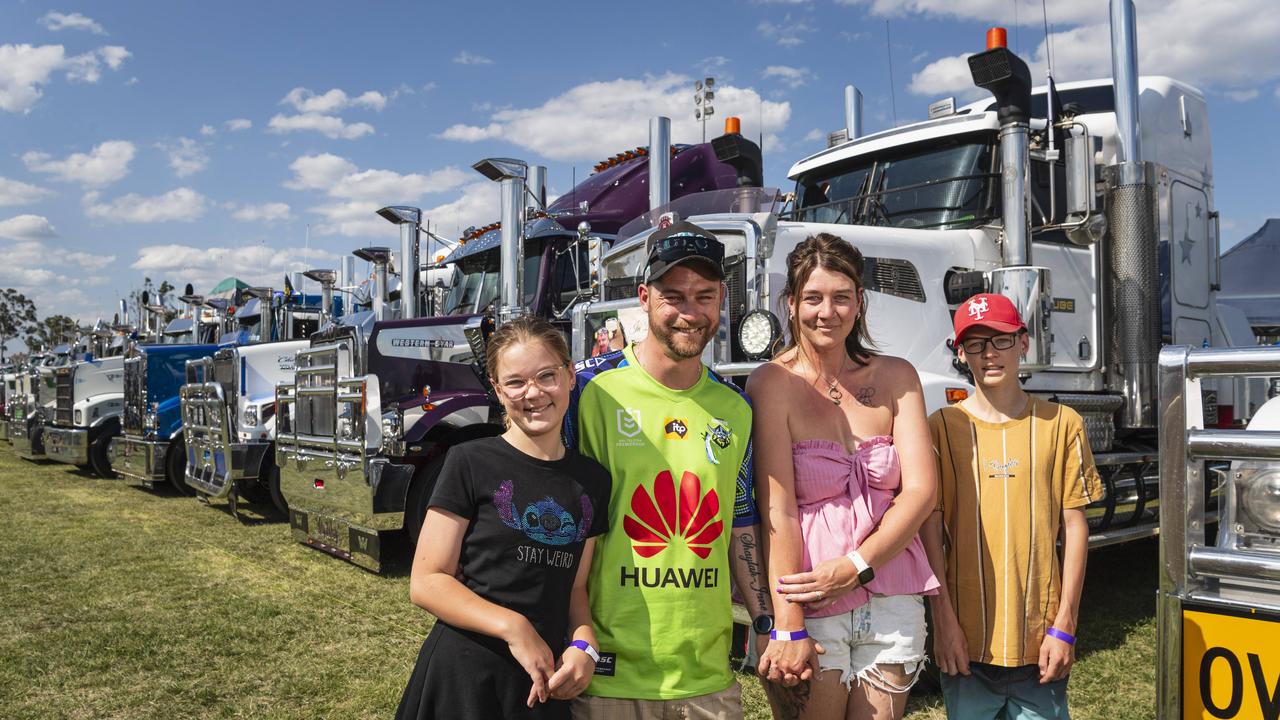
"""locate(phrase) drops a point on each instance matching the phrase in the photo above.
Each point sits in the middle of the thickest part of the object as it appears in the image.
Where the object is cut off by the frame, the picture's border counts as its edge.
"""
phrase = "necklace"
(833, 385)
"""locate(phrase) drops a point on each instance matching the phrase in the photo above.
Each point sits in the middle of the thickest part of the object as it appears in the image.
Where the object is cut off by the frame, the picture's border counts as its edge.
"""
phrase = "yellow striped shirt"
(1002, 489)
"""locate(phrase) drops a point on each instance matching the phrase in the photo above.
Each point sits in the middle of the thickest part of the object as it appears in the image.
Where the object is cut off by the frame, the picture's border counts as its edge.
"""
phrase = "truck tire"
(99, 459)
(272, 474)
(175, 467)
(415, 507)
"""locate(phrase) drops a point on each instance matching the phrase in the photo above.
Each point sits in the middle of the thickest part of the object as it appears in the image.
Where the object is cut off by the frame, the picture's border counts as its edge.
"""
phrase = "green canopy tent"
(229, 289)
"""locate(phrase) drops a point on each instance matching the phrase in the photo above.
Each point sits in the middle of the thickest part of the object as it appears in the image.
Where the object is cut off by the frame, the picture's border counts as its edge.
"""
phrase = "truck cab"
(37, 404)
(364, 428)
(228, 402)
(89, 403)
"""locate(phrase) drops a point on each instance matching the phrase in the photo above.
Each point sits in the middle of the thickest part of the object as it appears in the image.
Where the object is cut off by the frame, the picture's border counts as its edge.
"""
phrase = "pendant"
(834, 393)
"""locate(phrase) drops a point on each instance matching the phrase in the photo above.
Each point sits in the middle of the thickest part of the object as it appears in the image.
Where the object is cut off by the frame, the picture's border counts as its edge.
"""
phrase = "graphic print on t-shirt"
(543, 521)
(657, 518)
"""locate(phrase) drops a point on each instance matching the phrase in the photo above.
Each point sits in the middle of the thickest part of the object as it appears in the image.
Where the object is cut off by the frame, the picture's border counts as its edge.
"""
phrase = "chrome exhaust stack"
(381, 258)
(266, 326)
(852, 112)
(409, 219)
(511, 175)
(326, 278)
(536, 200)
(659, 162)
(1132, 291)
(1008, 78)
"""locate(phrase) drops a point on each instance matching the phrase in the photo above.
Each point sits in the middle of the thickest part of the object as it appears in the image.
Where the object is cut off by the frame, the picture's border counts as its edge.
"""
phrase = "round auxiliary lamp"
(758, 334)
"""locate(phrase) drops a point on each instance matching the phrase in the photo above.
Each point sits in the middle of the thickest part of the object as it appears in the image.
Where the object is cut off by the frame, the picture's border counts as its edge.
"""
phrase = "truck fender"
(459, 409)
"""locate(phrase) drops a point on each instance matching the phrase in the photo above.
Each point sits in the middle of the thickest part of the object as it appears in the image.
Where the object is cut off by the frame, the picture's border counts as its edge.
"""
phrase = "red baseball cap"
(987, 310)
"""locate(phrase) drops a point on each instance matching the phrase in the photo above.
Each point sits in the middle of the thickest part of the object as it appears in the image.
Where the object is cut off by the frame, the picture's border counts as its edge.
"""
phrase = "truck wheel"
(175, 467)
(273, 486)
(99, 459)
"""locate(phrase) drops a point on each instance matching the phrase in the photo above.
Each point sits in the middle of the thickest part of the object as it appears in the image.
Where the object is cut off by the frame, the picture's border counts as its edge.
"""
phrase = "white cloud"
(114, 55)
(27, 227)
(357, 194)
(54, 280)
(103, 165)
(24, 69)
(180, 205)
(1242, 95)
(13, 192)
(1178, 38)
(330, 126)
(318, 172)
(264, 212)
(610, 116)
(794, 77)
(237, 124)
(946, 76)
(56, 21)
(305, 101)
(787, 33)
(467, 58)
(208, 130)
(815, 135)
(186, 157)
(205, 266)
(476, 204)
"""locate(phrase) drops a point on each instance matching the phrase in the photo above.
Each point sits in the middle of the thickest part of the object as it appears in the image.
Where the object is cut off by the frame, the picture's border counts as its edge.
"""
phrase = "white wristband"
(585, 647)
(858, 563)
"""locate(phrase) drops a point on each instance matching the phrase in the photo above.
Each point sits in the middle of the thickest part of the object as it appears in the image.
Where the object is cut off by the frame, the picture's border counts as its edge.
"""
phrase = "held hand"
(1056, 658)
(790, 662)
(573, 675)
(822, 585)
(529, 649)
(950, 650)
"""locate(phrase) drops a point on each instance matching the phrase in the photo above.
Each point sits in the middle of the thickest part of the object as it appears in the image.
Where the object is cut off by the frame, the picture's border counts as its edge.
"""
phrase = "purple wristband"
(1067, 638)
(800, 634)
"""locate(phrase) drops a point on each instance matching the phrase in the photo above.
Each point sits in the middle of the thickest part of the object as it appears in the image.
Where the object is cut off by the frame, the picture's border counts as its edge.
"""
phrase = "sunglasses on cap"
(684, 245)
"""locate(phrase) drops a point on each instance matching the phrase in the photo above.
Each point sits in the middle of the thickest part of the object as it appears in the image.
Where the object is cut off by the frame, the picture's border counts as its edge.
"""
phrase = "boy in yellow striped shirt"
(1015, 473)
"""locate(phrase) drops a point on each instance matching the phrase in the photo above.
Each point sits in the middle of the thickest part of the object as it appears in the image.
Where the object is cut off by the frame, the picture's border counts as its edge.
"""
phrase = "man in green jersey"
(676, 438)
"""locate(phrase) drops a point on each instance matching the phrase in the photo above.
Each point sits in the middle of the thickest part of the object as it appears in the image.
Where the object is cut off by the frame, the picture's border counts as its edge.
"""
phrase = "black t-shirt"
(528, 520)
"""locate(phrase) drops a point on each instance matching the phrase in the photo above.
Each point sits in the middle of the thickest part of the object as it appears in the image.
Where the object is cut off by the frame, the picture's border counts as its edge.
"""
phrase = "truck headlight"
(79, 417)
(1260, 498)
(758, 332)
(251, 417)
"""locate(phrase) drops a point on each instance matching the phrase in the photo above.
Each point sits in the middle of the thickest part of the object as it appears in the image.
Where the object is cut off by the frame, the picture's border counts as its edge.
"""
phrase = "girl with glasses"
(505, 548)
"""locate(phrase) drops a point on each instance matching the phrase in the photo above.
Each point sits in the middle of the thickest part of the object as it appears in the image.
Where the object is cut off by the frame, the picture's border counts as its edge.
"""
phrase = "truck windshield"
(478, 283)
(943, 186)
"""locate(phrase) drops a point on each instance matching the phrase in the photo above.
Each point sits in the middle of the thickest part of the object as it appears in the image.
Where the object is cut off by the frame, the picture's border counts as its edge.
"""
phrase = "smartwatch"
(865, 573)
(762, 624)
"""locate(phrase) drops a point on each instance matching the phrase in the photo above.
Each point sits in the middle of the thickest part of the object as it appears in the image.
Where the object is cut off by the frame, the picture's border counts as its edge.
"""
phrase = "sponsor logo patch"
(608, 663)
(675, 428)
(717, 437)
(657, 518)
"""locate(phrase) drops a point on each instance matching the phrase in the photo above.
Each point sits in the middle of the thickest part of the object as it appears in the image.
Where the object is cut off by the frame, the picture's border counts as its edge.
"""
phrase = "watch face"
(762, 624)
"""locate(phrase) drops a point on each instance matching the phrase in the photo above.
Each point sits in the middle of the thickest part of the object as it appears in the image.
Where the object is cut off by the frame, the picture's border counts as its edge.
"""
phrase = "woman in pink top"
(845, 477)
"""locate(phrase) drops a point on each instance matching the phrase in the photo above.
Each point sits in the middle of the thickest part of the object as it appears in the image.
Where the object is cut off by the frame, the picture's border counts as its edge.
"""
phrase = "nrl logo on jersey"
(628, 423)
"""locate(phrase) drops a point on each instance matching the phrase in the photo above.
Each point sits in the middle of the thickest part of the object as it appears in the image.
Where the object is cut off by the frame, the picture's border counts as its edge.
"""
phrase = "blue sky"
(192, 141)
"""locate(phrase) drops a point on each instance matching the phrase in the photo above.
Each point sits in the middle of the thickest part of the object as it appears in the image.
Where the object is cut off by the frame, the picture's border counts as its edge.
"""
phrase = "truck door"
(1187, 241)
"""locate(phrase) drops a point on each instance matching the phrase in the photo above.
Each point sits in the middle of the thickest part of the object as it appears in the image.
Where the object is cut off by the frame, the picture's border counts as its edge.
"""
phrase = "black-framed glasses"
(682, 245)
(975, 346)
(548, 381)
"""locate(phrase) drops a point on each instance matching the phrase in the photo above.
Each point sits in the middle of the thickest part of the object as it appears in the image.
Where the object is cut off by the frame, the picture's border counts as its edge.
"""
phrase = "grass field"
(124, 603)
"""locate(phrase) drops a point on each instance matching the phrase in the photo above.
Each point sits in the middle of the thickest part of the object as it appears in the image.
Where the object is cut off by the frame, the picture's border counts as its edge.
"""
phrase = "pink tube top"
(841, 498)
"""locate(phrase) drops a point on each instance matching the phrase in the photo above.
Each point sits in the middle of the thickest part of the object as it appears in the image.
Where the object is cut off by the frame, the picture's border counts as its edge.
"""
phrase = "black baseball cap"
(681, 243)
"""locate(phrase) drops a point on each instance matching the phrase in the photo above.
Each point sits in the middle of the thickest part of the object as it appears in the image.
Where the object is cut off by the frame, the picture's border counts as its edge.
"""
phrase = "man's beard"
(678, 345)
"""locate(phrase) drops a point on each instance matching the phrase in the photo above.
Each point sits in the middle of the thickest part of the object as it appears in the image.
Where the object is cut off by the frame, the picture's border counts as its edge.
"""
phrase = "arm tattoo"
(864, 395)
(756, 577)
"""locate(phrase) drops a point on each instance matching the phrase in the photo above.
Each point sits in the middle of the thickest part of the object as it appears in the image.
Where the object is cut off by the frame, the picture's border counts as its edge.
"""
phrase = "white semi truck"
(88, 403)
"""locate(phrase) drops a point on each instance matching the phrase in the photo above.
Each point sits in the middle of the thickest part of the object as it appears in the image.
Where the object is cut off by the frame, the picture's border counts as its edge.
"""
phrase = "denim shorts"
(888, 630)
(991, 692)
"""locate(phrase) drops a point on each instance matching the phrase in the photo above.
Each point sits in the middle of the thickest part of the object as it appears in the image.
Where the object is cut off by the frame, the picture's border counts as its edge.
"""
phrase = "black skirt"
(463, 675)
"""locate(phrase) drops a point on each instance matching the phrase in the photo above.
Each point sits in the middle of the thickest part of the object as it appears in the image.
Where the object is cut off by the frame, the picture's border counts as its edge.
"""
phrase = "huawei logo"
(656, 520)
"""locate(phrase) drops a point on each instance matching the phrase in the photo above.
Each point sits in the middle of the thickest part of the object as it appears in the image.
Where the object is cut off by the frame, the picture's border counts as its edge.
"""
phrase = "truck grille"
(317, 393)
(64, 398)
(892, 276)
(135, 394)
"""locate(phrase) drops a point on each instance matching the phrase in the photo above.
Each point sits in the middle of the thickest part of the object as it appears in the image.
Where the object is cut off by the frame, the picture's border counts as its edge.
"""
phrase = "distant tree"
(53, 330)
(17, 316)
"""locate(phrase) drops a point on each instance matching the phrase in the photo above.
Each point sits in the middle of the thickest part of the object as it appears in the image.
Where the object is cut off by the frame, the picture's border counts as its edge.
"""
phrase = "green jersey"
(659, 583)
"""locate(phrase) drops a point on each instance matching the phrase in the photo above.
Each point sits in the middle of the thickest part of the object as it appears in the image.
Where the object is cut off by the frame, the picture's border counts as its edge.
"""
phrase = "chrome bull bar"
(214, 461)
(1227, 572)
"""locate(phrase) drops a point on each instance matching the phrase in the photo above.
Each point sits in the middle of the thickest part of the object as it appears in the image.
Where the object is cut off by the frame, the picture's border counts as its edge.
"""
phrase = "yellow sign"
(1230, 666)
